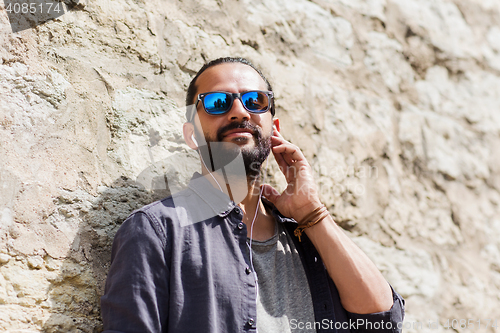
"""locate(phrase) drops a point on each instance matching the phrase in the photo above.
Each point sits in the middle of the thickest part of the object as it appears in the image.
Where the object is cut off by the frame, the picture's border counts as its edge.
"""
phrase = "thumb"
(270, 193)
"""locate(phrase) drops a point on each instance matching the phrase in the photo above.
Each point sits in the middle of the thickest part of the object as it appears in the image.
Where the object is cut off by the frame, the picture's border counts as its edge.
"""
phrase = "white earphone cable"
(249, 244)
(202, 161)
(251, 237)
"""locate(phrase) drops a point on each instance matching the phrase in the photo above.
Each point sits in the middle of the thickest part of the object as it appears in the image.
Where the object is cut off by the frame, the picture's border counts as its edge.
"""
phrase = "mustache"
(257, 133)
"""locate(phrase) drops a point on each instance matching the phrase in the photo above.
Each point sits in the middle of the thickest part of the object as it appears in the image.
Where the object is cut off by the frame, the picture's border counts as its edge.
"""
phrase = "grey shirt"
(283, 293)
(176, 269)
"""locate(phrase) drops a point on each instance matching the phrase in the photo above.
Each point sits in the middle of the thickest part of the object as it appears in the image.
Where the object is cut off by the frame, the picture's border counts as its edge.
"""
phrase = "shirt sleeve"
(136, 291)
(390, 321)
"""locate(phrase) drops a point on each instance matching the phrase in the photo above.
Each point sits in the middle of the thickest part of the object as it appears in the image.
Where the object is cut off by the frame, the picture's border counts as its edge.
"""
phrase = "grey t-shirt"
(283, 293)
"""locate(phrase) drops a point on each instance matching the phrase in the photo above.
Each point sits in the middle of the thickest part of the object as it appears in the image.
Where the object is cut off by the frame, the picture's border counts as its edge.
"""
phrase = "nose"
(238, 112)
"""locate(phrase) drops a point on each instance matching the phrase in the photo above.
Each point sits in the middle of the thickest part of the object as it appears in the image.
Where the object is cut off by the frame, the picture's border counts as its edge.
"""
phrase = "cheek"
(266, 123)
(207, 126)
(207, 136)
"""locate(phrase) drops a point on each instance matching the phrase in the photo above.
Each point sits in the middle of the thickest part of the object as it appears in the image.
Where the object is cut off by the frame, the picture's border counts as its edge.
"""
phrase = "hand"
(301, 195)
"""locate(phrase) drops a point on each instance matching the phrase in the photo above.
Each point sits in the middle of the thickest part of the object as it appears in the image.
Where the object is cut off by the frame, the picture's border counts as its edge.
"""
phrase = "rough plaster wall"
(396, 103)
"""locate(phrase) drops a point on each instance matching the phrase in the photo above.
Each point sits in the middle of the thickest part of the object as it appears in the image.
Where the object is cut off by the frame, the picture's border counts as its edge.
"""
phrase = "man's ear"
(188, 133)
(276, 122)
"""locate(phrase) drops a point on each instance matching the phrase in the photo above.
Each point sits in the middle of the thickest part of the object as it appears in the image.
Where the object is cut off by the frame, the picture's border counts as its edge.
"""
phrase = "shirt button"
(240, 225)
(247, 270)
(251, 322)
(237, 210)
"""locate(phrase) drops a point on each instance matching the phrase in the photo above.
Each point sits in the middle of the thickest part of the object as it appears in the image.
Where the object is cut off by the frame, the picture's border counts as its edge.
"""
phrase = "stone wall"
(396, 104)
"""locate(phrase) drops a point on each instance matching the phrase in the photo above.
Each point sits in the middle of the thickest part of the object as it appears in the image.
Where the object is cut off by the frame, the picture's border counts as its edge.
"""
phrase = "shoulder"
(153, 220)
(166, 209)
(172, 214)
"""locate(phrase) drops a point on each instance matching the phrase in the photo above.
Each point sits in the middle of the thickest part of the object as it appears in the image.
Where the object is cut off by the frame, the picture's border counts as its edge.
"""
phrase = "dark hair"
(191, 91)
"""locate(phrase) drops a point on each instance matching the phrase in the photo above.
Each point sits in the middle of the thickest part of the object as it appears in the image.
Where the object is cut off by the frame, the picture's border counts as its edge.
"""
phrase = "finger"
(284, 161)
(287, 155)
(291, 153)
(277, 133)
(276, 141)
(270, 193)
(283, 165)
(288, 170)
(280, 160)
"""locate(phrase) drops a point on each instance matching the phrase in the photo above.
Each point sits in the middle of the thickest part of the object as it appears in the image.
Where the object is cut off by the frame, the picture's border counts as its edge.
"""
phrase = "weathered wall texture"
(396, 103)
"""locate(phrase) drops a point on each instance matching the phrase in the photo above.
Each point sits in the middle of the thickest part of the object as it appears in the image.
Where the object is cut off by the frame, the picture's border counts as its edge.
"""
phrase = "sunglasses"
(220, 102)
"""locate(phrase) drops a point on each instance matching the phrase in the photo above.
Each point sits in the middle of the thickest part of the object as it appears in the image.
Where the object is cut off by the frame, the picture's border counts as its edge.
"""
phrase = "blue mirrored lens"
(217, 103)
(255, 101)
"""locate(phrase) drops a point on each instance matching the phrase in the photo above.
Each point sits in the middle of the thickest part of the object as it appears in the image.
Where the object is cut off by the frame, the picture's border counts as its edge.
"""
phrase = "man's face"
(249, 131)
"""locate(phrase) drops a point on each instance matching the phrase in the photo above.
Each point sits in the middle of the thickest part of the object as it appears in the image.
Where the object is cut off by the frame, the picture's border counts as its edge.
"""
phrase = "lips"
(243, 130)
(238, 132)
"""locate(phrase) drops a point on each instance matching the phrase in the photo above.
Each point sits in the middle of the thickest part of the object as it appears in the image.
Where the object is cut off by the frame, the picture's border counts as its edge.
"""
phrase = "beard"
(221, 153)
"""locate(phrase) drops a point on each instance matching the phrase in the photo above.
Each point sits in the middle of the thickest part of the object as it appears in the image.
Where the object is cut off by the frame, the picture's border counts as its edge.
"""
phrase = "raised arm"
(361, 286)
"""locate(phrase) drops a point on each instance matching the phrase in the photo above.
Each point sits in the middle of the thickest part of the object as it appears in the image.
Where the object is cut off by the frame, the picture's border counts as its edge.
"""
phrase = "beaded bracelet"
(316, 216)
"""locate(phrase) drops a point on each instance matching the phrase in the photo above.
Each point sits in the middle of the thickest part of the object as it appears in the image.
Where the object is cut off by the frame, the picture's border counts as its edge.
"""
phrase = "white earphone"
(194, 140)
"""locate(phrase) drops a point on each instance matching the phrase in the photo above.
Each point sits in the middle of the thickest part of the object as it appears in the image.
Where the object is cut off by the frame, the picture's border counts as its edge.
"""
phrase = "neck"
(251, 202)
(234, 186)
(247, 193)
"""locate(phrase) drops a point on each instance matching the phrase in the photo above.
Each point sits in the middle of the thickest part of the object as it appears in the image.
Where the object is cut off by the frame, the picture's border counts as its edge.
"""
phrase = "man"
(200, 262)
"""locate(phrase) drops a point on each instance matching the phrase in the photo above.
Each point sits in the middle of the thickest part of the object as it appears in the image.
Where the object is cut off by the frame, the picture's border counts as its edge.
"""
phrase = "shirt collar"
(218, 201)
(221, 204)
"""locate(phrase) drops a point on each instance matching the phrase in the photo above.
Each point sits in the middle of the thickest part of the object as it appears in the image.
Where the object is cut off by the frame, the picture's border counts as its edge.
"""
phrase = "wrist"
(312, 219)
(304, 213)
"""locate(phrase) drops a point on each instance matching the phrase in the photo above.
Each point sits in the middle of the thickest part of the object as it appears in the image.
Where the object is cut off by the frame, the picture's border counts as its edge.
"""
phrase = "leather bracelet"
(312, 215)
(316, 216)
